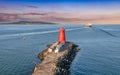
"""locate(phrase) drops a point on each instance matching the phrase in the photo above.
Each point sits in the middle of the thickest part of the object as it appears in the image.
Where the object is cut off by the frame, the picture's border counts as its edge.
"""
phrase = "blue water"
(99, 55)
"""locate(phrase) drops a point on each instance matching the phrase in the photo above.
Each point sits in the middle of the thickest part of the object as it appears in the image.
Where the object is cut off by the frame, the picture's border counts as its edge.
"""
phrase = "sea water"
(99, 54)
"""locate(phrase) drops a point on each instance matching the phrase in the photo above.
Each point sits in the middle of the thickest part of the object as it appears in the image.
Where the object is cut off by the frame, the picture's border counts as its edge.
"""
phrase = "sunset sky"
(58, 11)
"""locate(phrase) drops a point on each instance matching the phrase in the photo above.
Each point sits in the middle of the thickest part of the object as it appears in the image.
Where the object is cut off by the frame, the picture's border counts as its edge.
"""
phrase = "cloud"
(31, 6)
(8, 17)
(3, 7)
(60, 17)
(84, 19)
(34, 14)
(5, 17)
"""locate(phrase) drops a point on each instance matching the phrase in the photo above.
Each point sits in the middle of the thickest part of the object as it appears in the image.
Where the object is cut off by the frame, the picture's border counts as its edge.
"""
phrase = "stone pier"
(56, 63)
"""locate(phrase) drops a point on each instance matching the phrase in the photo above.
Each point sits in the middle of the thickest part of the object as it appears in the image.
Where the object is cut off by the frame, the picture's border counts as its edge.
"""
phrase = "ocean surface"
(99, 54)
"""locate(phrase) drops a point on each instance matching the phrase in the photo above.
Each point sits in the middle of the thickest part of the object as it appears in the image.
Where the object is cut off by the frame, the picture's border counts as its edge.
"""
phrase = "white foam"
(32, 33)
(112, 29)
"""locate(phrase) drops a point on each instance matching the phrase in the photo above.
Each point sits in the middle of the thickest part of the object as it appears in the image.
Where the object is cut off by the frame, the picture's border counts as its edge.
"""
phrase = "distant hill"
(29, 22)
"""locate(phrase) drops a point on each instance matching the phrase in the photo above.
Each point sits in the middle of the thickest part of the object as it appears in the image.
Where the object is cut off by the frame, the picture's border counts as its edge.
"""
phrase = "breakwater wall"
(56, 63)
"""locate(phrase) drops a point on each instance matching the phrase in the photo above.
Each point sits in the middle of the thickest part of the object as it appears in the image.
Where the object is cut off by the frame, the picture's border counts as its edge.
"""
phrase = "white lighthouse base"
(49, 50)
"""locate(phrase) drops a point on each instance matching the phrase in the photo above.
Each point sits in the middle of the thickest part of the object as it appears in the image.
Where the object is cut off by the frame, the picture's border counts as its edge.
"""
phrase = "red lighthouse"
(61, 41)
(61, 38)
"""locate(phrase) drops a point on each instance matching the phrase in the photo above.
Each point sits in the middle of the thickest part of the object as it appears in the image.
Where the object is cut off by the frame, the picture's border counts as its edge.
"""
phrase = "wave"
(33, 33)
(112, 29)
(105, 31)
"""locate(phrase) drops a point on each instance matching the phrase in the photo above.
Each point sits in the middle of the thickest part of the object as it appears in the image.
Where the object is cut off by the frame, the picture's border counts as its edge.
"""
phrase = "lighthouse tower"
(61, 38)
(61, 41)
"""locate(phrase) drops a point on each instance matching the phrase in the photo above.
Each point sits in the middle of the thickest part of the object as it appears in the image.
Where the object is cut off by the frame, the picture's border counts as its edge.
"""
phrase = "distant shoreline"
(29, 22)
(45, 23)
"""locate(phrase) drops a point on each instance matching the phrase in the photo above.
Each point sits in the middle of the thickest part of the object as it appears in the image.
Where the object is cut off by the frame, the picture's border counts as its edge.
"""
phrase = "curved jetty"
(56, 63)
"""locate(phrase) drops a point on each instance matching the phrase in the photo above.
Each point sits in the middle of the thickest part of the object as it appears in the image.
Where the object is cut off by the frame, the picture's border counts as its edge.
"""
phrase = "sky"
(61, 11)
